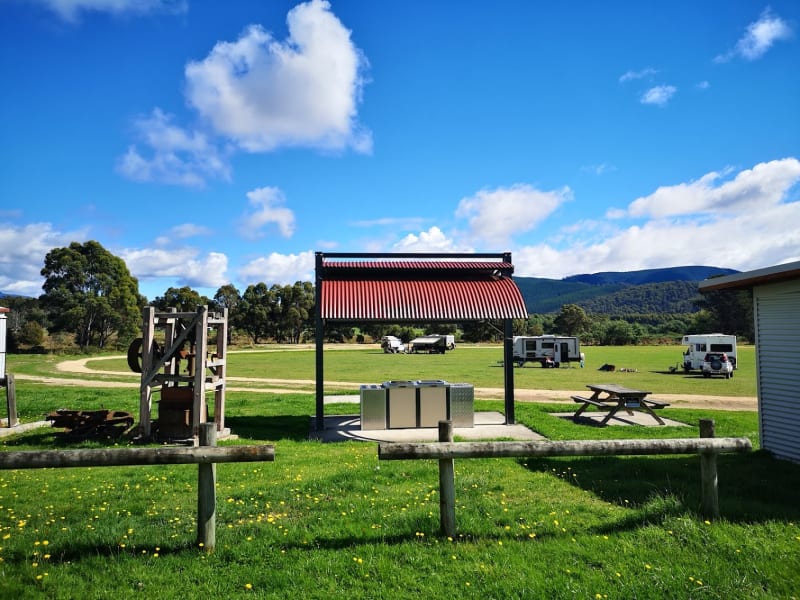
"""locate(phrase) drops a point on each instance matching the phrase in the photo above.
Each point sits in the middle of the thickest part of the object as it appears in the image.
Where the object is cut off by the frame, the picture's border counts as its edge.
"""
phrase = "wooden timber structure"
(161, 367)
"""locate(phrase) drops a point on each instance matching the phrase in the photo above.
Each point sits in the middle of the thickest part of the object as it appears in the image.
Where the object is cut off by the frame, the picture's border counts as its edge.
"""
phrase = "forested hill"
(671, 290)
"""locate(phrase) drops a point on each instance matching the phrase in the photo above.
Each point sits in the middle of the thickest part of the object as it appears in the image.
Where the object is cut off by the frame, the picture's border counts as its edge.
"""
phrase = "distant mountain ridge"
(667, 290)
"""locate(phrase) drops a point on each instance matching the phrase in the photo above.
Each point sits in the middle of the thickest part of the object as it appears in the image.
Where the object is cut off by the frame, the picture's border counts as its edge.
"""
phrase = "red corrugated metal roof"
(419, 265)
(422, 299)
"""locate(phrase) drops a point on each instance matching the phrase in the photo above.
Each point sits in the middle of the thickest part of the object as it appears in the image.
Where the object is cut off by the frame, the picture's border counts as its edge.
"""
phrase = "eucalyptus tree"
(89, 291)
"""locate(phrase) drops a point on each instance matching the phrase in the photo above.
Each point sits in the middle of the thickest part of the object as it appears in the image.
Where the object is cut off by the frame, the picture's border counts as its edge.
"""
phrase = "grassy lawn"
(647, 368)
(329, 520)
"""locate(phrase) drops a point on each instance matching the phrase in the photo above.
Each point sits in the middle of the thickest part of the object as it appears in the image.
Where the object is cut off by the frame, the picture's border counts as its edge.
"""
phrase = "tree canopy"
(183, 299)
(90, 292)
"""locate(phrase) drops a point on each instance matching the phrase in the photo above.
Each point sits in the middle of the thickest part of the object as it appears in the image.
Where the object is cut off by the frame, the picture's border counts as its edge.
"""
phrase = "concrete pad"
(620, 418)
(350, 399)
(22, 428)
(488, 426)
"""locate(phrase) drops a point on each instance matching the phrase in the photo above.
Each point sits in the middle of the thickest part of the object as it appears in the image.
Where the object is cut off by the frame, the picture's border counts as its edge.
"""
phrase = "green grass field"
(647, 367)
(330, 521)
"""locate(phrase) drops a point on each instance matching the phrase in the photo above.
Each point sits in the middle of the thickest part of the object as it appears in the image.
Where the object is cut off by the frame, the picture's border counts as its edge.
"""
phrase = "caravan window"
(548, 345)
(700, 347)
(721, 347)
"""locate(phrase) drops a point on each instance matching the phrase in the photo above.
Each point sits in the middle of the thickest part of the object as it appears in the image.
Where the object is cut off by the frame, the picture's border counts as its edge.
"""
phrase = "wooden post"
(145, 391)
(222, 371)
(447, 484)
(207, 492)
(709, 500)
(201, 353)
(11, 400)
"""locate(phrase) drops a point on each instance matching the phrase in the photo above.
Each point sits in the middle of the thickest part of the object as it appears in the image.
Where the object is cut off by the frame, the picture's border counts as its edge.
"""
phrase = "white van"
(698, 345)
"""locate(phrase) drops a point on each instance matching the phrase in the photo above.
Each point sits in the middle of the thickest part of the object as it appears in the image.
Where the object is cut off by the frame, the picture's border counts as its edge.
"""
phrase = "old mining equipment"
(174, 357)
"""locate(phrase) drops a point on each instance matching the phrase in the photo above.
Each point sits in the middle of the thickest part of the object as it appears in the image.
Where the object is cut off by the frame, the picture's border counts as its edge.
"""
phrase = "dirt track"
(287, 386)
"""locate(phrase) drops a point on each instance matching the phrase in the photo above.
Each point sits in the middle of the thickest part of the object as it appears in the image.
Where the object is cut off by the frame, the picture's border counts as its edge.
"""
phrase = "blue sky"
(208, 143)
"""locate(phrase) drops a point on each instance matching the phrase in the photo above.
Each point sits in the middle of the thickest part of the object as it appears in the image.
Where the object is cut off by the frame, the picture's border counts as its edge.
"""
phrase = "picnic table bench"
(613, 398)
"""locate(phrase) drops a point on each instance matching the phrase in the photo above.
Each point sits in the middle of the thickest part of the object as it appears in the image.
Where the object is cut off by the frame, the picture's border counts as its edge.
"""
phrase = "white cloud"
(267, 204)
(432, 240)
(186, 266)
(282, 269)
(702, 85)
(759, 37)
(176, 156)
(22, 252)
(600, 169)
(495, 216)
(743, 241)
(182, 232)
(633, 75)
(263, 93)
(71, 10)
(396, 222)
(659, 95)
(753, 189)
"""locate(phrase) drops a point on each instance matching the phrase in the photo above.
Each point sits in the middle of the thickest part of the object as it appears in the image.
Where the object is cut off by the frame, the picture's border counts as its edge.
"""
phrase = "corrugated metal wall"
(778, 350)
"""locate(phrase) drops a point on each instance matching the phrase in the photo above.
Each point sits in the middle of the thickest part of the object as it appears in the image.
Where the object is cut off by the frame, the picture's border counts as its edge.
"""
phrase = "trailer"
(700, 344)
(547, 350)
(433, 344)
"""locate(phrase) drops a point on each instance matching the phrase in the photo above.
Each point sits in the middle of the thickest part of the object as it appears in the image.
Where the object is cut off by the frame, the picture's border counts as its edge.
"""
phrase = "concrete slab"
(22, 428)
(621, 418)
(488, 426)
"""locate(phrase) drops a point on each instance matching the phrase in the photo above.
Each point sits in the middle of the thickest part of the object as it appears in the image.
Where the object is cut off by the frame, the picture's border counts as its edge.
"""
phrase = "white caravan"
(700, 344)
(548, 350)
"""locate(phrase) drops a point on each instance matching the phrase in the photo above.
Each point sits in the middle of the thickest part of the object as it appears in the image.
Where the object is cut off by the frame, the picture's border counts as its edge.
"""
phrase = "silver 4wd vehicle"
(717, 363)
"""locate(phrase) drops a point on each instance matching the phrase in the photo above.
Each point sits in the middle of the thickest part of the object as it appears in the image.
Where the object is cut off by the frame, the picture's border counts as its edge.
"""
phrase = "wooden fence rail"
(707, 446)
(440, 450)
(121, 457)
(206, 456)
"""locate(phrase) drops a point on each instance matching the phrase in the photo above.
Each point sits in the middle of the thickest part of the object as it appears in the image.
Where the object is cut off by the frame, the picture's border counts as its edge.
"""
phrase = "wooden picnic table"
(613, 398)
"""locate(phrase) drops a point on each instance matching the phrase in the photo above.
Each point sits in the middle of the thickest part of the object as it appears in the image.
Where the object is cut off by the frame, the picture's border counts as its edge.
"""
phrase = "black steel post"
(508, 366)
(319, 329)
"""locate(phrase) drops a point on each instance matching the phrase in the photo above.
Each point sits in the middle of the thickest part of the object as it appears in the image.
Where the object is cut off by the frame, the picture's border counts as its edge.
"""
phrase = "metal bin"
(373, 406)
(401, 404)
(432, 402)
(461, 398)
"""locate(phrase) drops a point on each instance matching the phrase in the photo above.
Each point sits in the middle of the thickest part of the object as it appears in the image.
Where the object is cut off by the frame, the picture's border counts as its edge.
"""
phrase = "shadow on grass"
(753, 487)
(280, 427)
(74, 553)
(56, 439)
(680, 373)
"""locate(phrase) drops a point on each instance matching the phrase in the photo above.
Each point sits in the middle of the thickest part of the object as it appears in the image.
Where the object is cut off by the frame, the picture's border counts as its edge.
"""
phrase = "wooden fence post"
(207, 492)
(709, 501)
(447, 484)
(11, 400)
